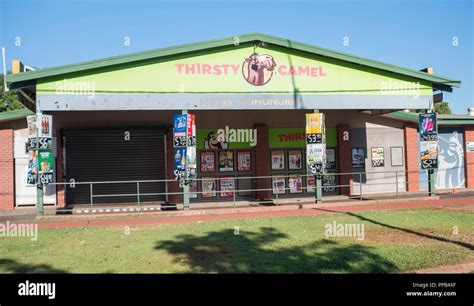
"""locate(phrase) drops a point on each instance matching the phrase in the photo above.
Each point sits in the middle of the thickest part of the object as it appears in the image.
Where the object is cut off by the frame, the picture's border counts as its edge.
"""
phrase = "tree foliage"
(439, 108)
(8, 100)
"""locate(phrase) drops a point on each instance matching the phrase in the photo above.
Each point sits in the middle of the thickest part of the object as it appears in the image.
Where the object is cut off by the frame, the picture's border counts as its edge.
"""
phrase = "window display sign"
(330, 159)
(358, 157)
(208, 163)
(295, 160)
(310, 184)
(193, 188)
(278, 183)
(226, 161)
(278, 159)
(329, 183)
(244, 161)
(227, 186)
(295, 184)
(377, 157)
(208, 187)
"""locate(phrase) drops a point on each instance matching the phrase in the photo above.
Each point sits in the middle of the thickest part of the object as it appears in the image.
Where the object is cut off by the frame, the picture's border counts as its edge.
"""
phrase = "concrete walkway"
(242, 213)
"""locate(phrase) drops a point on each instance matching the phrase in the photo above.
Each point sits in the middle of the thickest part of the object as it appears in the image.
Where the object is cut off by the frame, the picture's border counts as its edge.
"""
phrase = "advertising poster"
(377, 157)
(180, 125)
(278, 159)
(295, 160)
(32, 168)
(358, 157)
(226, 161)
(315, 153)
(191, 125)
(330, 159)
(310, 184)
(244, 161)
(279, 186)
(179, 158)
(45, 166)
(44, 125)
(227, 186)
(208, 187)
(428, 127)
(295, 184)
(429, 154)
(31, 121)
(315, 123)
(193, 188)
(191, 157)
(208, 163)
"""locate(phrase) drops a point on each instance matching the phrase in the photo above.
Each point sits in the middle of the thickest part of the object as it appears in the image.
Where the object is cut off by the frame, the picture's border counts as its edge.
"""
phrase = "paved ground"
(246, 213)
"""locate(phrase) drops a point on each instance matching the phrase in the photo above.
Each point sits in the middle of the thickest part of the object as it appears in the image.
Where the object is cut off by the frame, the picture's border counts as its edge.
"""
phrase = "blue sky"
(413, 34)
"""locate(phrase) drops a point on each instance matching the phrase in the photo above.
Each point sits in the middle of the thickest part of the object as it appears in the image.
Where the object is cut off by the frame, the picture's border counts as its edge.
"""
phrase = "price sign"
(46, 178)
(314, 138)
(179, 141)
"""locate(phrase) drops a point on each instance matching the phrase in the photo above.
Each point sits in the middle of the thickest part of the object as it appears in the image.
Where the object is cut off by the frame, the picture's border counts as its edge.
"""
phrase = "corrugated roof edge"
(15, 114)
(227, 41)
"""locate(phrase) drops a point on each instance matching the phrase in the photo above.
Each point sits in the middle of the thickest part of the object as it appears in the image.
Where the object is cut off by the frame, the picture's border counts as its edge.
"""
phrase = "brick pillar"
(344, 156)
(411, 158)
(262, 163)
(7, 174)
(469, 156)
(173, 186)
(60, 194)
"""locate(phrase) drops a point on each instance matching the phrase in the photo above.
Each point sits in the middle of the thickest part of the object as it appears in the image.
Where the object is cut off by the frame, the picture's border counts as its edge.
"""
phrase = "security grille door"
(107, 156)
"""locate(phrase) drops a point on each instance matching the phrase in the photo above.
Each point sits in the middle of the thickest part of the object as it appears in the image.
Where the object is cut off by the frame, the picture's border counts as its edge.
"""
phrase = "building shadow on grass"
(405, 230)
(265, 252)
(13, 266)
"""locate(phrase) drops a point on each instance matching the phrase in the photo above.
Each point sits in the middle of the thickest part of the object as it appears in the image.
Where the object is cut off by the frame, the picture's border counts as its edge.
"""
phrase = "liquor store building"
(112, 123)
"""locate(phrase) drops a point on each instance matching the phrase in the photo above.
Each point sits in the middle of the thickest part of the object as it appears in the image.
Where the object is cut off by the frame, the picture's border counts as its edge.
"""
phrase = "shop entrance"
(111, 156)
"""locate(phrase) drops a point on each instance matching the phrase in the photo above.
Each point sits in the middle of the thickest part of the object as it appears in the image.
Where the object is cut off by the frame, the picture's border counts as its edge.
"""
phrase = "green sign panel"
(296, 138)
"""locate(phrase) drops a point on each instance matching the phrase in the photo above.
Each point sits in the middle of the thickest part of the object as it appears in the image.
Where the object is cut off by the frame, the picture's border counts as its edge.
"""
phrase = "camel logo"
(258, 69)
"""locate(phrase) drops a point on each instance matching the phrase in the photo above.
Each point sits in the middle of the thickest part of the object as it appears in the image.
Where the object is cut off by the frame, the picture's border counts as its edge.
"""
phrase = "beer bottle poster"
(44, 125)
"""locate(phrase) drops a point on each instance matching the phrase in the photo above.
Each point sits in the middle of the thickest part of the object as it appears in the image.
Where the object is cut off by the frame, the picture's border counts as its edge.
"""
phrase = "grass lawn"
(394, 241)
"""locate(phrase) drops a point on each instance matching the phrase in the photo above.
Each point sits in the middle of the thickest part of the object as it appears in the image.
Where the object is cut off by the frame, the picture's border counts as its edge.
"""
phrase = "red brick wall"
(469, 156)
(173, 186)
(7, 175)
(262, 163)
(411, 158)
(60, 194)
(344, 156)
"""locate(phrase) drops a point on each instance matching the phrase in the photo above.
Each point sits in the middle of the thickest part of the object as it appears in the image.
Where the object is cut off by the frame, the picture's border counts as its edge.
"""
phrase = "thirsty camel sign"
(256, 69)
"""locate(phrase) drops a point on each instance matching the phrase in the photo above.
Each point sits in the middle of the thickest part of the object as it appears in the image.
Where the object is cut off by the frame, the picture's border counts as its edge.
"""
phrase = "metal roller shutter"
(105, 155)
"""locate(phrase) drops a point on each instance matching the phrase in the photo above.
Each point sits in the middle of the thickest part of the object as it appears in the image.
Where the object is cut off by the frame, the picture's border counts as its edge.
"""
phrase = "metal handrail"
(275, 191)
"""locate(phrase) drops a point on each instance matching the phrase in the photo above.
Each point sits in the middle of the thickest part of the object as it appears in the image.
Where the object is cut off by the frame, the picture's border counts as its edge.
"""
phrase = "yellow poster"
(314, 123)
